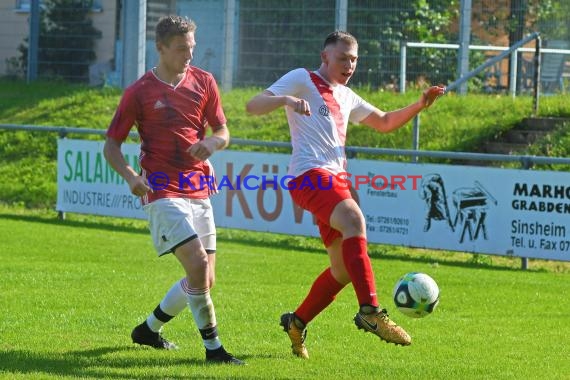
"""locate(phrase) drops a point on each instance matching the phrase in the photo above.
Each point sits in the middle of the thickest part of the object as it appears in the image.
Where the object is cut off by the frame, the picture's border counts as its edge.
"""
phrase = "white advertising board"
(471, 209)
(86, 184)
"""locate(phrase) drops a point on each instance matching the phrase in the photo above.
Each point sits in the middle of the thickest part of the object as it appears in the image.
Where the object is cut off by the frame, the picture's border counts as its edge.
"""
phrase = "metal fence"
(274, 36)
(278, 35)
(525, 161)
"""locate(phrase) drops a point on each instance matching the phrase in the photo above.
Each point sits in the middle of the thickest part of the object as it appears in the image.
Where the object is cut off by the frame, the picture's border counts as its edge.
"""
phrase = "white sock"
(204, 315)
(171, 305)
(176, 299)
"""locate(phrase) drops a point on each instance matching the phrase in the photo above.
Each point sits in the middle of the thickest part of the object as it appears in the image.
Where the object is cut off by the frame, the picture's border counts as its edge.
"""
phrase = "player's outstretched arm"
(388, 121)
(267, 102)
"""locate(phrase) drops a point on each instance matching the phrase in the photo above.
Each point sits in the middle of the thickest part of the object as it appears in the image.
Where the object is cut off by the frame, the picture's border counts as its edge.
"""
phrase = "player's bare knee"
(355, 224)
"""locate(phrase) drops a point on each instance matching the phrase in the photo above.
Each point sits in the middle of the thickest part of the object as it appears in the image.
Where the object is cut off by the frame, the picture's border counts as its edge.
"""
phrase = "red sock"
(322, 293)
(357, 263)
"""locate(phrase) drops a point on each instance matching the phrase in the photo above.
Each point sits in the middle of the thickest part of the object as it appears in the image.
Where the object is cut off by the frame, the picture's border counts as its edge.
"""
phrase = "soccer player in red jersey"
(171, 107)
(319, 106)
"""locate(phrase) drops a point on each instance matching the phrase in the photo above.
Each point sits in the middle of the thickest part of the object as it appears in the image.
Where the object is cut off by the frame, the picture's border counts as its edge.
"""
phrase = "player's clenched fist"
(300, 106)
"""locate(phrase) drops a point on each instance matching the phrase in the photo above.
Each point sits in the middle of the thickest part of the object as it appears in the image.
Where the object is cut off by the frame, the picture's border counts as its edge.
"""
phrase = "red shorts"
(318, 191)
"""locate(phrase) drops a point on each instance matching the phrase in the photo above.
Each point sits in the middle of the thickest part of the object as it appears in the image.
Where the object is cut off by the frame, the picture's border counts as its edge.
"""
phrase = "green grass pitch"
(71, 291)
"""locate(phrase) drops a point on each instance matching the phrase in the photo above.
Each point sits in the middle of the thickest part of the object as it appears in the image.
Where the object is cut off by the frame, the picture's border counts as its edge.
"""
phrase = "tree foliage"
(382, 31)
(277, 35)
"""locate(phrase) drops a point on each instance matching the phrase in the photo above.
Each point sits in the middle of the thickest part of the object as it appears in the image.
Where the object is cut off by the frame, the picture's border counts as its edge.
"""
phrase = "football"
(416, 294)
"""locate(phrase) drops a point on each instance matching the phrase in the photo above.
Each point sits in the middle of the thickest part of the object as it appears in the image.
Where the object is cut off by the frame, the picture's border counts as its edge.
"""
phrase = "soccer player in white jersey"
(319, 106)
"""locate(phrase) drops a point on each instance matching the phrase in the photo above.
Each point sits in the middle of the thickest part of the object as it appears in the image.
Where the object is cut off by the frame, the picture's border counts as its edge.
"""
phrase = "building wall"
(105, 21)
(209, 18)
(14, 29)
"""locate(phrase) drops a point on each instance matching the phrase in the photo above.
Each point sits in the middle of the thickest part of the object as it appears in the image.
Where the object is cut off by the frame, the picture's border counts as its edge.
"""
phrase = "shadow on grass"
(311, 245)
(473, 263)
(93, 224)
(94, 363)
(292, 242)
(263, 240)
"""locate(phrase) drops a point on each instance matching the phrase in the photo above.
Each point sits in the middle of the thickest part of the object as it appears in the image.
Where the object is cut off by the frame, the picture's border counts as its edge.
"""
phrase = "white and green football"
(416, 294)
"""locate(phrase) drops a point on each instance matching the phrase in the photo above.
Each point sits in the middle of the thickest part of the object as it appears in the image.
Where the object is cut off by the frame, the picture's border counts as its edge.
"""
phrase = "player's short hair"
(339, 35)
(170, 26)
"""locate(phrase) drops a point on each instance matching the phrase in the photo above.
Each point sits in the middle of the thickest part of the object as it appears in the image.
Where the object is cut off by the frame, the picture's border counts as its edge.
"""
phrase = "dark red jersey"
(169, 120)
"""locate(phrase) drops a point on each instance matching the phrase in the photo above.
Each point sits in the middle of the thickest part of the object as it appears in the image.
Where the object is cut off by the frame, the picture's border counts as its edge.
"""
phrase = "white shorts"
(175, 221)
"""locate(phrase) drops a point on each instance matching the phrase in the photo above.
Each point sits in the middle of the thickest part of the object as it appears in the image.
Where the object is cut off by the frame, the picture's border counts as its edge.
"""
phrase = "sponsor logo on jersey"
(324, 110)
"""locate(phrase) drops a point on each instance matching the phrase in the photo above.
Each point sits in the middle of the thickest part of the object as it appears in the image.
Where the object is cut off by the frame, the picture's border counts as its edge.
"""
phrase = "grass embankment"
(455, 123)
(74, 289)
